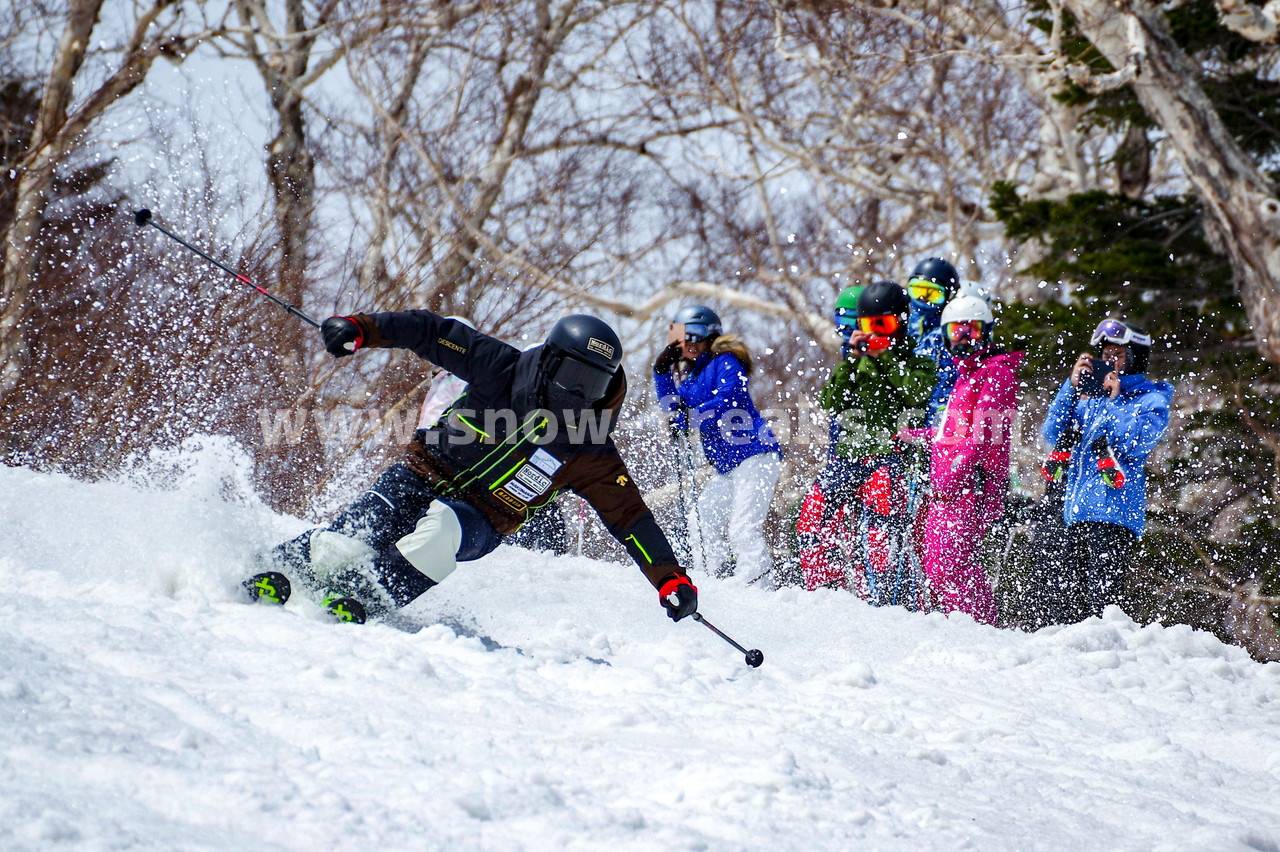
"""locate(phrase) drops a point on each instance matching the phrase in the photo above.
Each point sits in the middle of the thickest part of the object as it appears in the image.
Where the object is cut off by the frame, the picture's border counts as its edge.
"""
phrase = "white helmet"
(968, 306)
(957, 317)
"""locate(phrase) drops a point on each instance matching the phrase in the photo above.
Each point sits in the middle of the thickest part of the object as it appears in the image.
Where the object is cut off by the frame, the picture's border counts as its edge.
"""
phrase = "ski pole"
(142, 218)
(687, 453)
(754, 656)
(684, 502)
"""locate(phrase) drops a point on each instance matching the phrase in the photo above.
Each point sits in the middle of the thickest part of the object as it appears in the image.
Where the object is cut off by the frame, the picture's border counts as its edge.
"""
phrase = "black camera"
(1091, 379)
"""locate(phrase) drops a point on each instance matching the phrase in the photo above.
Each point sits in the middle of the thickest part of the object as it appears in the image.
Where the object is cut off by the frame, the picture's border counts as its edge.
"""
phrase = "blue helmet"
(699, 320)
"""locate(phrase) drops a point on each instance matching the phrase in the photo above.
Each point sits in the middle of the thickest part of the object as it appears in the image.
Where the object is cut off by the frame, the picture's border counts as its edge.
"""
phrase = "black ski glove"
(342, 337)
(667, 359)
(679, 596)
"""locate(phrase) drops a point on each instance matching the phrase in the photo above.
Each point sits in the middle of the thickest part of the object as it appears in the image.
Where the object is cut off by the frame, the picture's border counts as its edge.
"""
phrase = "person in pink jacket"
(969, 468)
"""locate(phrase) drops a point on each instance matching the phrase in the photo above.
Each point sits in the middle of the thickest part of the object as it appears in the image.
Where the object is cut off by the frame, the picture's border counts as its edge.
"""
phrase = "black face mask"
(966, 348)
(575, 385)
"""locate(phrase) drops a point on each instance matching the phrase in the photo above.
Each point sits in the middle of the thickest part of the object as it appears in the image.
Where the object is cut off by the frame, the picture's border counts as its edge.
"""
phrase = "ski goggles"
(695, 332)
(886, 324)
(924, 290)
(846, 320)
(959, 332)
(1114, 331)
(578, 378)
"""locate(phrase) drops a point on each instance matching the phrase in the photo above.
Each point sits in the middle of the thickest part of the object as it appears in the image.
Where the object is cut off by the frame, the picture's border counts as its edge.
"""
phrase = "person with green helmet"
(846, 315)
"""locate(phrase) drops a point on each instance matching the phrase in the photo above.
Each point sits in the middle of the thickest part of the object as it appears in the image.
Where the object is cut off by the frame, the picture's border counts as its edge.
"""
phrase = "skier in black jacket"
(529, 425)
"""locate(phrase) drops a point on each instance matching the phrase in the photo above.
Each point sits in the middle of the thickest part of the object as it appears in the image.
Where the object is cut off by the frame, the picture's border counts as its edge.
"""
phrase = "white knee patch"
(331, 552)
(433, 545)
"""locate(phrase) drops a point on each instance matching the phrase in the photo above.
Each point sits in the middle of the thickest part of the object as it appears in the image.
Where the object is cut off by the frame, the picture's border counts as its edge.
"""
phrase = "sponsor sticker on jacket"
(545, 462)
(510, 500)
(534, 478)
(521, 491)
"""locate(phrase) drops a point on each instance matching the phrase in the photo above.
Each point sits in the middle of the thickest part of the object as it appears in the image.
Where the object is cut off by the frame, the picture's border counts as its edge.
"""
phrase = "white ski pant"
(729, 513)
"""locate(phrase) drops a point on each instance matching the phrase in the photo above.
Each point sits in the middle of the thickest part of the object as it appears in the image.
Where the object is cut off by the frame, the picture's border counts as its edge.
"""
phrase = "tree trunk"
(290, 164)
(521, 102)
(35, 178)
(56, 133)
(1242, 212)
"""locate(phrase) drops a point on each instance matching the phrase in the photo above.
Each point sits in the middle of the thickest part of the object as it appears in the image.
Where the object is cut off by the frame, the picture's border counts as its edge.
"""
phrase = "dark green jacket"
(867, 397)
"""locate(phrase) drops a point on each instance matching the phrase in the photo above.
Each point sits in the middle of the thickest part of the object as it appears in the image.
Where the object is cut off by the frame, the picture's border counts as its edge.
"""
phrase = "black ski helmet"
(580, 358)
(940, 272)
(699, 320)
(882, 298)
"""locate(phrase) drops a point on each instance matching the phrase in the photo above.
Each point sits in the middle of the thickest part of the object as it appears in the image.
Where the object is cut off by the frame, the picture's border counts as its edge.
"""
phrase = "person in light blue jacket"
(1121, 416)
(702, 378)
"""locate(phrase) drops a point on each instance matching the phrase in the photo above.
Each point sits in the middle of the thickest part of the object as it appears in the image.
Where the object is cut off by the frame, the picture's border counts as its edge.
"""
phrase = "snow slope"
(535, 702)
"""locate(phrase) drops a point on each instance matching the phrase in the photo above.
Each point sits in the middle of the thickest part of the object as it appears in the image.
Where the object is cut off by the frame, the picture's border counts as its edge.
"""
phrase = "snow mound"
(541, 702)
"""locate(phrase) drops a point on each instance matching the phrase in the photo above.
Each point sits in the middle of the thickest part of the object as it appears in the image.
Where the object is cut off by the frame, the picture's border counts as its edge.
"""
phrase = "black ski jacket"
(499, 450)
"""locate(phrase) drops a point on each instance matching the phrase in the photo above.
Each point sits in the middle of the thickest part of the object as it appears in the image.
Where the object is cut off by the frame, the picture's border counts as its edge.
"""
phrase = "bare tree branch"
(1256, 23)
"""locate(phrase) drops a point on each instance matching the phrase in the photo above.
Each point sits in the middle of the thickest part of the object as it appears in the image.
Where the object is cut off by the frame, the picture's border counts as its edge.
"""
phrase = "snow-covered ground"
(535, 702)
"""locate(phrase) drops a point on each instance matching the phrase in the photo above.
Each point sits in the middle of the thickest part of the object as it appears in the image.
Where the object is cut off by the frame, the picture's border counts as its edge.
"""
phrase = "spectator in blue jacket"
(703, 379)
(1121, 416)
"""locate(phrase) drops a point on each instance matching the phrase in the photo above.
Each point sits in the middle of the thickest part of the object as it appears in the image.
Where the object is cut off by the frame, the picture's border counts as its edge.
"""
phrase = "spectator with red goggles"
(878, 390)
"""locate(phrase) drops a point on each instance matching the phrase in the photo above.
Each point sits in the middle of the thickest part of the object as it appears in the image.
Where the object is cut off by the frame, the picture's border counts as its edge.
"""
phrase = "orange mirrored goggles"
(886, 324)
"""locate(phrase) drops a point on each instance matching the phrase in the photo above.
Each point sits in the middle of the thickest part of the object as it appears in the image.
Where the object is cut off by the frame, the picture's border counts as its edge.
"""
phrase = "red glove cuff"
(1111, 472)
(1056, 459)
(673, 585)
(359, 341)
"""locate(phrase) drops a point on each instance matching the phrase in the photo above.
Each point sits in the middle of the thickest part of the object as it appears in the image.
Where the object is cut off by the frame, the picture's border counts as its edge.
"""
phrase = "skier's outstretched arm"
(453, 345)
(601, 478)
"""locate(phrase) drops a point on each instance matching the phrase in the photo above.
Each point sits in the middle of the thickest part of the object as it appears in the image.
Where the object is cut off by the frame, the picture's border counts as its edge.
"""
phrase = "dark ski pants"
(383, 515)
(1054, 594)
(1098, 556)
